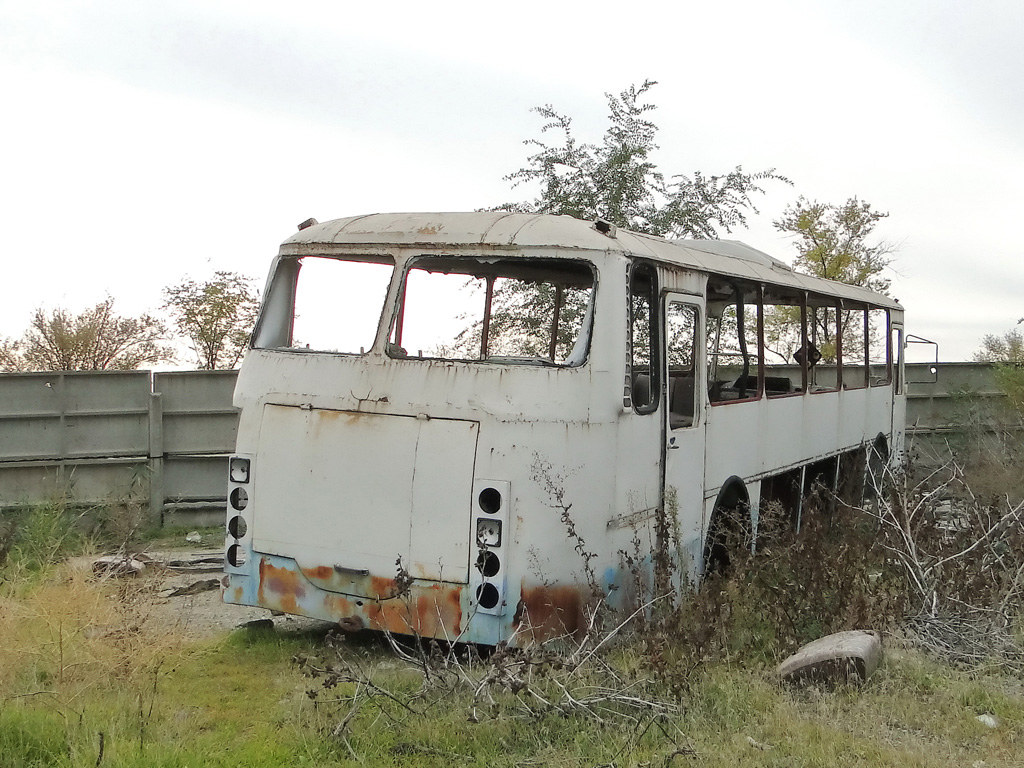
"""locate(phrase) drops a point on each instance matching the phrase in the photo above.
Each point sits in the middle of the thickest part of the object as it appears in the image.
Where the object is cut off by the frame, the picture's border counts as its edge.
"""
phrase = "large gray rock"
(843, 657)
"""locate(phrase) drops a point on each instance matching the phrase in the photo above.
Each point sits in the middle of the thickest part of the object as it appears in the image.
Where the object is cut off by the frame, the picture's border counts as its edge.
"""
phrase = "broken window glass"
(854, 346)
(878, 347)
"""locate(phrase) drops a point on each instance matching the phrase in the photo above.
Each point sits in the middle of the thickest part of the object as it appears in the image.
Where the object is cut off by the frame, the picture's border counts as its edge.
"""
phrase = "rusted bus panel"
(524, 234)
(428, 609)
(391, 385)
(549, 611)
(750, 440)
(542, 612)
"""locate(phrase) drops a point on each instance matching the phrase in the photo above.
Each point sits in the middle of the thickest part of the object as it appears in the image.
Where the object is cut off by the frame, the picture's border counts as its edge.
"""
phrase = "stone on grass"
(989, 721)
(194, 537)
(839, 658)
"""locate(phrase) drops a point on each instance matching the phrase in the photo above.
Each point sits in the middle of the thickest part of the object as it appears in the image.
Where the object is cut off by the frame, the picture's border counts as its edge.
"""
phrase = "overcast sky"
(148, 141)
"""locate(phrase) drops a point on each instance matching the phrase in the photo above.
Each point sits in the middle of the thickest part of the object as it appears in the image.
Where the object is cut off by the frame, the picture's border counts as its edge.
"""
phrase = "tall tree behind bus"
(1006, 352)
(834, 242)
(618, 181)
(215, 316)
(97, 339)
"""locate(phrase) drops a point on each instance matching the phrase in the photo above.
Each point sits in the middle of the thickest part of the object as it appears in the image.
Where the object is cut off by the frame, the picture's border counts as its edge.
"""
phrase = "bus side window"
(879, 354)
(680, 348)
(896, 354)
(643, 343)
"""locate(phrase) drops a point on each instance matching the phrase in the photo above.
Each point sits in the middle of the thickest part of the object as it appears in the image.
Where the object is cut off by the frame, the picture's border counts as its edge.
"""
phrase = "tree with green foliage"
(617, 180)
(1006, 353)
(97, 339)
(834, 242)
(216, 316)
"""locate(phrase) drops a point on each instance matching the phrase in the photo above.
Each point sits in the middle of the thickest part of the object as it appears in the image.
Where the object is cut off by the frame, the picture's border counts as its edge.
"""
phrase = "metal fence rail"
(161, 439)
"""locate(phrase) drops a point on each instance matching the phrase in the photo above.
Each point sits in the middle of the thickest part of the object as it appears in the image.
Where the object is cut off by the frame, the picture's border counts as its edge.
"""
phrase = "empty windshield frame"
(521, 311)
(324, 304)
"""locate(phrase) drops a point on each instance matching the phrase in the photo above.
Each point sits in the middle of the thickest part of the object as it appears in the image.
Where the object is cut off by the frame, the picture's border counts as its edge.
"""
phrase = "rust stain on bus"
(382, 587)
(550, 611)
(280, 588)
(321, 572)
(434, 611)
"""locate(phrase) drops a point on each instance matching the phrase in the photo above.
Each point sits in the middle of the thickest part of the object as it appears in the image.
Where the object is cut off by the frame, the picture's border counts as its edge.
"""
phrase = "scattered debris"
(119, 565)
(758, 744)
(133, 564)
(203, 585)
(989, 721)
(194, 537)
(841, 657)
(203, 562)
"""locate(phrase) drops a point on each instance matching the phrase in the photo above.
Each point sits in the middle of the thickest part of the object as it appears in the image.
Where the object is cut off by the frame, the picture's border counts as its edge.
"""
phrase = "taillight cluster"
(239, 487)
(492, 500)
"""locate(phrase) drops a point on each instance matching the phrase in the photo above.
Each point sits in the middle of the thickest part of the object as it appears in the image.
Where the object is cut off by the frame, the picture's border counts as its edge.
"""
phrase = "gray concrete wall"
(161, 440)
(114, 437)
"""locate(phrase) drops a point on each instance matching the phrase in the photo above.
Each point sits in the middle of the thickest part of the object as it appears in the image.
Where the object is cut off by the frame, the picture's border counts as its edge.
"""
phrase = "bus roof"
(497, 230)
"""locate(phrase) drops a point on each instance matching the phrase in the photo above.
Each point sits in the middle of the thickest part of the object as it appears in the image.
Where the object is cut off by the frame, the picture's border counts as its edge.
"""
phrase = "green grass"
(240, 701)
(237, 701)
(78, 658)
(173, 537)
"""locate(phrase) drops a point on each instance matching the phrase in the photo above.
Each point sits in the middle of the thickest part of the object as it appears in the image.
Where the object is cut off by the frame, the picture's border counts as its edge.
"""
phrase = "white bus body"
(510, 476)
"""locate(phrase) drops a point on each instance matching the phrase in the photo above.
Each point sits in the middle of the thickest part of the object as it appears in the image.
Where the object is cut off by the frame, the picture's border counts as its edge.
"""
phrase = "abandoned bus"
(463, 425)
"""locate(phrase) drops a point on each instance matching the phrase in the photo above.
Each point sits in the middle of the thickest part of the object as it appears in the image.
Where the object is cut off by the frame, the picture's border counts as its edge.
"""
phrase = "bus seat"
(681, 396)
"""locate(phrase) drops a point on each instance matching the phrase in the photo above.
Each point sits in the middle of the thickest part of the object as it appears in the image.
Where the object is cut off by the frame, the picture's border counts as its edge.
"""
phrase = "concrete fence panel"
(106, 437)
(163, 439)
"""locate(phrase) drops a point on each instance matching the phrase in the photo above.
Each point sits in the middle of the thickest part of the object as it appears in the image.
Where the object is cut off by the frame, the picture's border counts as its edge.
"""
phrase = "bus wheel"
(729, 529)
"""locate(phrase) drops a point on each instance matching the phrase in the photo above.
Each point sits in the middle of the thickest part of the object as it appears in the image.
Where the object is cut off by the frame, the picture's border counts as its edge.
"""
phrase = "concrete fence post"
(156, 458)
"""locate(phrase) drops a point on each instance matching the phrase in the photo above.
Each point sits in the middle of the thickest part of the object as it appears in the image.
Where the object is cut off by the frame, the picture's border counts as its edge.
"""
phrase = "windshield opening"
(526, 311)
(324, 304)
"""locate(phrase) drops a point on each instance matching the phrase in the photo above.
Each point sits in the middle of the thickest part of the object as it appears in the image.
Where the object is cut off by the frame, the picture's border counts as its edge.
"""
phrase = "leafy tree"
(1006, 352)
(1008, 348)
(834, 242)
(95, 340)
(617, 180)
(522, 314)
(215, 316)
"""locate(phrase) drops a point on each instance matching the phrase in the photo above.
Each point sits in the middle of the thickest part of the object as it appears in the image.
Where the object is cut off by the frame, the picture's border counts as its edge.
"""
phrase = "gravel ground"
(200, 612)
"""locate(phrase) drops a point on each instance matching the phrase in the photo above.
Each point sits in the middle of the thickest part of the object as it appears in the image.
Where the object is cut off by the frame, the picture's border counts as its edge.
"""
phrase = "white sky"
(145, 141)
